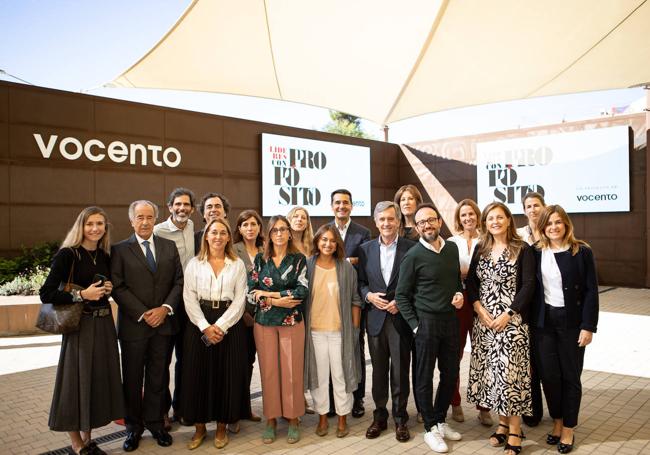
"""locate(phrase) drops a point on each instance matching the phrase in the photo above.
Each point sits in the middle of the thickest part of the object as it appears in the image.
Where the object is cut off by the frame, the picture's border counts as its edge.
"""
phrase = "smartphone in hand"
(205, 340)
(99, 277)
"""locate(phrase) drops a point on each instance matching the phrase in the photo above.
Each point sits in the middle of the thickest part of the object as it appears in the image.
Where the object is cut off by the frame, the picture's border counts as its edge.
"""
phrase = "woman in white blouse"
(466, 219)
(534, 204)
(564, 319)
(215, 379)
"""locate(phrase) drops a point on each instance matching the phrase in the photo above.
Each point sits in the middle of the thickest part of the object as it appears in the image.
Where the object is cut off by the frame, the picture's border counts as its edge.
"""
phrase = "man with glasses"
(428, 292)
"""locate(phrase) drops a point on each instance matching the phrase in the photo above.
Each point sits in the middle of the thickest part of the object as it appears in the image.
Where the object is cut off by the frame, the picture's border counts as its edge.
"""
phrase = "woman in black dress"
(564, 319)
(88, 387)
(215, 373)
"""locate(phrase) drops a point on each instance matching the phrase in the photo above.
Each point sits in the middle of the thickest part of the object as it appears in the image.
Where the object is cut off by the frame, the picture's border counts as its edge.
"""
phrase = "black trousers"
(361, 389)
(145, 360)
(535, 382)
(561, 361)
(390, 354)
(171, 401)
(436, 340)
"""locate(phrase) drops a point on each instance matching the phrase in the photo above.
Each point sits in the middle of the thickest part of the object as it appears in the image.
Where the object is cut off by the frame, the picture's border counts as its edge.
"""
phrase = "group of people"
(303, 302)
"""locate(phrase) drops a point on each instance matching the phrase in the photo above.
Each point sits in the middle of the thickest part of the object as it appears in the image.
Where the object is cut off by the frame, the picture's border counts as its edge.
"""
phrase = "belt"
(97, 313)
(215, 304)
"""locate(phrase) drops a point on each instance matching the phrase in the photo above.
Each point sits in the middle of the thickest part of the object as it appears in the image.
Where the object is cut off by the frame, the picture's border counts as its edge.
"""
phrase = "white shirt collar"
(429, 247)
(394, 242)
(345, 228)
(140, 239)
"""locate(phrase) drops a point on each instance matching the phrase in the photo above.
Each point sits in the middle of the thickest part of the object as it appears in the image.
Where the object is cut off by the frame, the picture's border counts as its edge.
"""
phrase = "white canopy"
(385, 60)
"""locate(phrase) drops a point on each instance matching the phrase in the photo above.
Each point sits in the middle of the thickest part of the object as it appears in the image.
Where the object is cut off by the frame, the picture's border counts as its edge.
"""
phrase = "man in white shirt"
(179, 229)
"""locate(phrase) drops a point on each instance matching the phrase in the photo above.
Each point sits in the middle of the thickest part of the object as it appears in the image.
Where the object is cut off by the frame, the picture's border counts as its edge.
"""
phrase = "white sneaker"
(448, 432)
(434, 440)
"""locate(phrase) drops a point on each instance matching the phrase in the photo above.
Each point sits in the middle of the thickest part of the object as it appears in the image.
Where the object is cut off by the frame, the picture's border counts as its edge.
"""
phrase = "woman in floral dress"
(501, 284)
(278, 286)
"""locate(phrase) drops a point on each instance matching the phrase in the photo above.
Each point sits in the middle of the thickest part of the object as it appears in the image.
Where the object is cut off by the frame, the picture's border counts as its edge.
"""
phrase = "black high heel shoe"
(515, 449)
(500, 437)
(566, 448)
(552, 440)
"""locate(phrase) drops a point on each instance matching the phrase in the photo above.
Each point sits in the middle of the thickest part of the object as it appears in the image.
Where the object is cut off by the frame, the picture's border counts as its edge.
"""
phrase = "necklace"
(93, 258)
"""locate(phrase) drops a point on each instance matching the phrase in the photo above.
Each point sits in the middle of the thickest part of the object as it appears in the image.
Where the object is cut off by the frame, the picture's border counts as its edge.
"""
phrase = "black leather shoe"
(402, 432)
(357, 409)
(131, 442)
(375, 429)
(566, 448)
(94, 449)
(163, 438)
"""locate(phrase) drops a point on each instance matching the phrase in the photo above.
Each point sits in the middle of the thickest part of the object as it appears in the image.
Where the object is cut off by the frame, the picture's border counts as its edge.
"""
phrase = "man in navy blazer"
(353, 235)
(389, 335)
(148, 287)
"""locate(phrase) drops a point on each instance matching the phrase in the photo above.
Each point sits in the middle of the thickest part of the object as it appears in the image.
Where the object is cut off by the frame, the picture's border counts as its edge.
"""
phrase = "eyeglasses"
(280, 230)
(423, 223)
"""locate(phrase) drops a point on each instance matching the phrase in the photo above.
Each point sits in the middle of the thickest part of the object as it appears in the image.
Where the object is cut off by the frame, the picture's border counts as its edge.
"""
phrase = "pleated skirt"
(215, 385)
(88, 387)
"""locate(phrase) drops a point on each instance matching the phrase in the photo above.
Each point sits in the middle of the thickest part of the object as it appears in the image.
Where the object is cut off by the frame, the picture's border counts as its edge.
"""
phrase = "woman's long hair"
(307, 236)
(486, 241)
(75, 235)
(458, 226)
(269, 250)
(569, 237)
(204, 252)
(418, 200)
(245, 216)
(339, 253)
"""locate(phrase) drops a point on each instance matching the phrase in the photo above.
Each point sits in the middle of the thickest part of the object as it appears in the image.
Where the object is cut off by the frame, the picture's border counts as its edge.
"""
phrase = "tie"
(151, 262)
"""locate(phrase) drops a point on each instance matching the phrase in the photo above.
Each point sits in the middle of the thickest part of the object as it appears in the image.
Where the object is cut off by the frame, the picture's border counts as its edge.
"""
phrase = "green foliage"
(29, 260)
(26, 284)
(346, 124)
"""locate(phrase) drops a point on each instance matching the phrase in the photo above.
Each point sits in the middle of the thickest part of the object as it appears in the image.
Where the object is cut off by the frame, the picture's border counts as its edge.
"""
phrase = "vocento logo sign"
(95, 150)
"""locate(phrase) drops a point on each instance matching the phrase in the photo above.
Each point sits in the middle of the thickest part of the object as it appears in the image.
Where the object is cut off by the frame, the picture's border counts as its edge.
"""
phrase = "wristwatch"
(76, 296)
(510, 312)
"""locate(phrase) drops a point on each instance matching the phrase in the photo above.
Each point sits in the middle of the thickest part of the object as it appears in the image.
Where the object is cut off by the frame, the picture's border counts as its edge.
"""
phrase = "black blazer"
(354, 238)
(371, 280)
(525, 288)
(580, 288)
(136, 289)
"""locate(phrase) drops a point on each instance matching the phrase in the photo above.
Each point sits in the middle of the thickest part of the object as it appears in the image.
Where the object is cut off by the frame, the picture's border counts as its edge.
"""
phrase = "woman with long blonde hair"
(88, 387)
(407, 198)
(302, 233)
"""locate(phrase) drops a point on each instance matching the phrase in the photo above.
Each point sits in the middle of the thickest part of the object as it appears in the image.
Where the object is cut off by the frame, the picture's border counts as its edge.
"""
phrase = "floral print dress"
(290, 278)
(499, 372)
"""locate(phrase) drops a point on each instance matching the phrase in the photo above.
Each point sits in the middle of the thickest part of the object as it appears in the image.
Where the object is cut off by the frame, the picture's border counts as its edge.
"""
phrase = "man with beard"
(428, 292)
(212, 206)
(179, 229)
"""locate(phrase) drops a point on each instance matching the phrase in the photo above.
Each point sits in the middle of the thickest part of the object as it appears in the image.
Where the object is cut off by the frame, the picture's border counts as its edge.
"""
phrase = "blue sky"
(81, 45)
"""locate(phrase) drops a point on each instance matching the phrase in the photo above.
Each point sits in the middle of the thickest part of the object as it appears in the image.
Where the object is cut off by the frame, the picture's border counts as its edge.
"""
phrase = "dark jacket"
(371, 280)
(580, 288)
(525, 288)
(136, 289)
(354, 238)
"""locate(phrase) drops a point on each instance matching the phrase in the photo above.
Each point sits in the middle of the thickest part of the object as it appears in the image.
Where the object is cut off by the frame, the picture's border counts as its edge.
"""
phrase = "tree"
(346, 124)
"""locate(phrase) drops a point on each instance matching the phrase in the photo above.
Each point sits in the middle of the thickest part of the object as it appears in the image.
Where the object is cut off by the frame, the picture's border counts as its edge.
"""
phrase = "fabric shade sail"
(387, 61)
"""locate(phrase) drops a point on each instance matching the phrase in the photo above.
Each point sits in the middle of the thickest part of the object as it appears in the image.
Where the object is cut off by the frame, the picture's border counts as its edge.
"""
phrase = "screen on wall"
(583, 171)
(297, 171)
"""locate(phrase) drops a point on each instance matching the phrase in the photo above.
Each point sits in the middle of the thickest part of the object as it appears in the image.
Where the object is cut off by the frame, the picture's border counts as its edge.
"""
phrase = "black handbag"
(59, 319)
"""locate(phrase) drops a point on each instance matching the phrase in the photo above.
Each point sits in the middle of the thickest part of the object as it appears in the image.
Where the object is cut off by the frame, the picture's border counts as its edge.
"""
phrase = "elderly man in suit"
(389, 335)
(353, 235)
(147, 286)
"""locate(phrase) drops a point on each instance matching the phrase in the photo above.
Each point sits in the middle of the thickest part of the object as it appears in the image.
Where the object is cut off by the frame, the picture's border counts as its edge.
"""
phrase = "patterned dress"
(499, 372)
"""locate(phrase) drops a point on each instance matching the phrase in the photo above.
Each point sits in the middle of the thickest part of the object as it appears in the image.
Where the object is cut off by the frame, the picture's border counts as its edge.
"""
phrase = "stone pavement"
(614, 419)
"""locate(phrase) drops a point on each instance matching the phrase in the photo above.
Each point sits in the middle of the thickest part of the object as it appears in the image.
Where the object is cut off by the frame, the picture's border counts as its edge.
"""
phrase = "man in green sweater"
(428, 292)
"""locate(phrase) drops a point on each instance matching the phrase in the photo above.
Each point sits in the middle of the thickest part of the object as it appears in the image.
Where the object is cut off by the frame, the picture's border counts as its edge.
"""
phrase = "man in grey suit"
(389, 335)
(147, 286)
(353, 235)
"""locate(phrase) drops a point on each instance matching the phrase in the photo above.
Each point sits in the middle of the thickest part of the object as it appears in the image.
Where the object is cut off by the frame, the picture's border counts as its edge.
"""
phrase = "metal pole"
(385, 133)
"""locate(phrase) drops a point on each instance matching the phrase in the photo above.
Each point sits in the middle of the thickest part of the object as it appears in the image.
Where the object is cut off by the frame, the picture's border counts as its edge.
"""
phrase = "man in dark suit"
(353, 235)
(212, 206)
(389, 336)
(148, 286)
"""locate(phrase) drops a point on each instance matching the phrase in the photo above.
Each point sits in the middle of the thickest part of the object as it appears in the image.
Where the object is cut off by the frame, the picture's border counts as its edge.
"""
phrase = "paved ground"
(615, 415)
